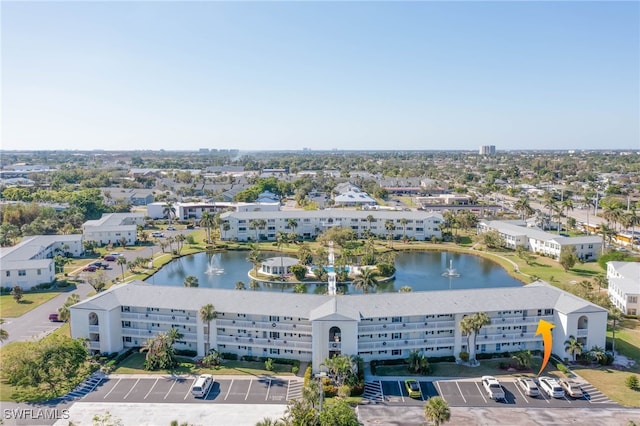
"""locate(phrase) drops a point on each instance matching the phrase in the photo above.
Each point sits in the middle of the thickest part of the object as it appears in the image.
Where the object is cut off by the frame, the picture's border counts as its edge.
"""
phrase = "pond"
(422, 271)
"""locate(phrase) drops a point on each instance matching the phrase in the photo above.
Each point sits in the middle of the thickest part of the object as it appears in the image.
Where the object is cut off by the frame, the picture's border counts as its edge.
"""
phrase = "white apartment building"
(186, 211)
(310, 223)
(111, 227)
(515, 234)
(313, 327)
(624, 286)
(30, 262)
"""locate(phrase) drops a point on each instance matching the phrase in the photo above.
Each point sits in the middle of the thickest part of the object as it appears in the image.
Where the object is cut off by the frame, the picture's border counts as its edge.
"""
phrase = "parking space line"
(114, 386)
(381, 390)
(209, 391)
(247, 395)
(189, 390)
(440, 391)
(401, 394)
(421, 393)
(268, 389)
(131, 390)
(544, 397)
(154, 385)
(228, 390)
(461, 394)
(169, 391)
(565, 397)
(481, 393)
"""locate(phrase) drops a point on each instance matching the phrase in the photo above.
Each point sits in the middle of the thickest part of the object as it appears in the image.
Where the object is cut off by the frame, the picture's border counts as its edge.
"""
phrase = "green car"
(413, 388)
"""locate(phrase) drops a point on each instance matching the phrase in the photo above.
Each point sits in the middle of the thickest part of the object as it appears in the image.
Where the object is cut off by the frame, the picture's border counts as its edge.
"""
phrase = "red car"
(89, 268)
(54, 318)
(110, 258)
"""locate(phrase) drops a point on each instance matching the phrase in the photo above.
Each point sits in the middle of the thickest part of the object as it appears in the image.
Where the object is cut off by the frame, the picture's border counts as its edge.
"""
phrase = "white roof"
(31, 246)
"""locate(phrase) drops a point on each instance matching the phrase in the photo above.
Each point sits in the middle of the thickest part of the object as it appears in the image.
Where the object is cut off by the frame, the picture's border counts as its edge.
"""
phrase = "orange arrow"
(544, 328)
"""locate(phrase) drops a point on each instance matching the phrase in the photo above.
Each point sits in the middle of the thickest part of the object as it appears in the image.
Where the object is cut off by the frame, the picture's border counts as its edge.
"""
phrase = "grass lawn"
(611, 383)
(30, 300)
(134, 365)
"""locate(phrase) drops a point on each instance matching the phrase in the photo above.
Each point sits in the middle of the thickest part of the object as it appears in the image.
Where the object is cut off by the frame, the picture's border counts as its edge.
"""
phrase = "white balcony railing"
(259, 342)
(137, 332)
(407, 326)
(94, 329)
(94, 345)
(408, 343)
(582, 332)
(164, 318)
(264, 325)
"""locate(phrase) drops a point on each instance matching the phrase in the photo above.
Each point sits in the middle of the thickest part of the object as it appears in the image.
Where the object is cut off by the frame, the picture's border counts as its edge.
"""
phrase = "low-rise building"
(30, 262)
(313, 327)
(310, 223)
(535, 240)
(111, 228)
(624, 286)
(194, 210)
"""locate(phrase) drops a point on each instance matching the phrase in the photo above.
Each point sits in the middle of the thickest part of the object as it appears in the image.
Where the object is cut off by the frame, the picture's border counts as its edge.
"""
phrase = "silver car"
(528, 386)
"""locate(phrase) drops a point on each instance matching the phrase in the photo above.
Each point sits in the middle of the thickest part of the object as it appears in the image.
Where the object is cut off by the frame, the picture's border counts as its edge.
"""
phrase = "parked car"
(493, 388)
(110, 258)
(551, 387)
(90, 268)
(171, 228)
(54, 318)
(202, 385)
(413, 388)
(571, 388)
(528, 386)
(157, 234)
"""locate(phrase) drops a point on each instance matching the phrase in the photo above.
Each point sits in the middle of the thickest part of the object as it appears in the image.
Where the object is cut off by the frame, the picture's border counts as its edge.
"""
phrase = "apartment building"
(624, 286)
(30, 262)
(310, 223)
(112, 227)
(194, 210)
(313, 327)
(515, 234)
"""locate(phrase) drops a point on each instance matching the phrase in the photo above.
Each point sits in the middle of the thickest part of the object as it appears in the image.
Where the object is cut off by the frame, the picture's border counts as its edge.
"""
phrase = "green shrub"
(563, 368)
(230, 356)
(632, 382)
(464, 356)
(299, 271)
(307, 375)
(385, 269)
(186, 352)
(344, 391)
(268, 364)
(295, 369)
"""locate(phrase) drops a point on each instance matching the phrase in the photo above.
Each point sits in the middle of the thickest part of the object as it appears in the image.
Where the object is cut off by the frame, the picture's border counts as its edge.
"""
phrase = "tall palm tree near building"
(370, 219)
(169, 210)
(366, 280)
(63, 311)
(240, 285)
(573, 347)
(615, 315)
(607, 234)
(255, 257)
(437, 410)
(549, 202)
(253, 224)
(207, 314)
(389, 226)
(122, 261)
(403, 222)
(471, 326)
(293, 224)
(254, 285)
(566, 206)
(208, 221)
(588, 202)
(629, 220)
(523, 206)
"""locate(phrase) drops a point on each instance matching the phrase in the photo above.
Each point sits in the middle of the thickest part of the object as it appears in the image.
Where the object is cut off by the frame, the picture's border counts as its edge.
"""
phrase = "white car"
(528, 386)
(571, 388)
(493, 388)
(202, 385)
(551, 387)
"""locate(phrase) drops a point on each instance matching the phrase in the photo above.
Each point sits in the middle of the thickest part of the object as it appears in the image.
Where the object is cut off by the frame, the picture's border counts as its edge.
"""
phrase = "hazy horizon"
(282, 76)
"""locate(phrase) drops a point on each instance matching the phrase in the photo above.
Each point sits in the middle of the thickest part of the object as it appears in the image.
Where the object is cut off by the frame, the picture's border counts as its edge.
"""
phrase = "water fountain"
(450, 272)
(214, 268)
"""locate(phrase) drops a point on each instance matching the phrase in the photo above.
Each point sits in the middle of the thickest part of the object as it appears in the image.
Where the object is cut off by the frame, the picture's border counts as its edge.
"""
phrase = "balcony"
(94, 346)
(94, 329)
(166, 318)
(582, 332)
(519, 320)
(148, 334)
(407, 326)
(335, 346)
(261, 342)
(506, 337)
(264, 325)
(404, 344)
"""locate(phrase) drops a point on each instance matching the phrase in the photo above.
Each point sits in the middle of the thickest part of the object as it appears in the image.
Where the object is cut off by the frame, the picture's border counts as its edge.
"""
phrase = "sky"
(319, 75)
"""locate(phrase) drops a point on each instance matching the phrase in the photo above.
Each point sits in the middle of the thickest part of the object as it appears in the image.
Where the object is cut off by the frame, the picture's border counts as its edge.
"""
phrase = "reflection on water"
(422, 271)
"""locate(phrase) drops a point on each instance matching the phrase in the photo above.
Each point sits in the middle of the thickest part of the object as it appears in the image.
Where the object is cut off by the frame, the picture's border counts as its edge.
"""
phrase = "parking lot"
(177, 389)
(468, 392)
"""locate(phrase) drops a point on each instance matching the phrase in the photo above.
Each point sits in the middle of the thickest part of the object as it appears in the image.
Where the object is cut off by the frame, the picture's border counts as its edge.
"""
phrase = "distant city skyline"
(320, 75)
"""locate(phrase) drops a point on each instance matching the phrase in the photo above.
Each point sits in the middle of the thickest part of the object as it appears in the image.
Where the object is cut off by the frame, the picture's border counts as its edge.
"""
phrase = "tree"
(169, 210)
(293, 224)
(208, 221)
(405, 289)
(338, 413)
(299, 271)
(471, 326)
(60, 262)
(191, 281)
(366, 280)
(122, 261)
(523, 358)
(615, 315)
(160, 351)
(573, 347)
(254, 285)
(58, 363)
(607, 234)
(63, 311)
(17, 293)
(207, 314)
(370, 219)
(390, 227)
(418, 363)
(340, 368)
(255, 257)
(437, 410)
(4, 334)
(240, 285)
(568, 258)
(97, 280)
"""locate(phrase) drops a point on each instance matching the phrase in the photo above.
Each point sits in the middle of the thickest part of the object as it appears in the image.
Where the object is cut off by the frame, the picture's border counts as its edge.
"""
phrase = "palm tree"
(588, 202)
(191, 281)
(208, 221)
(255, 257)
(293, 224)
(207, 314)
(473, 324)
(370, 219)
(437, 410)
(549, 203)
(615, 315)
(169, 210)
(607, 234)
(253, 224)
(4, 334)
(240, 286)
(573, 346)
(122, 261)
(629, 220)
(254, 285)
(366, 279)
(523, 358)
(566, 206)
(598, 354)
(389, 226)
(523, 206)
(404, 222)
(63, 311)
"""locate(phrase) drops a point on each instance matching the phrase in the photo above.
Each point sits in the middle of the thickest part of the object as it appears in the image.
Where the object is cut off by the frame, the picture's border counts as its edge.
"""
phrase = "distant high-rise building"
(487, 150)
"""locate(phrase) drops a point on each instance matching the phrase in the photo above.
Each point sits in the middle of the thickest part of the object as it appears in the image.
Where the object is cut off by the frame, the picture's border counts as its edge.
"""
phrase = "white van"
(202, 385)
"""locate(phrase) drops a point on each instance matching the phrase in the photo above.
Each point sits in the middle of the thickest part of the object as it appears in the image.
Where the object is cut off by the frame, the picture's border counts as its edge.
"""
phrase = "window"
(22, 272)
(273, 351)
(39, 272)
(396, 336)
(127, 339)
(8, 273)
(633, 299)
(125, 309)
(126, 324)
(396, 352)
(396, 319)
